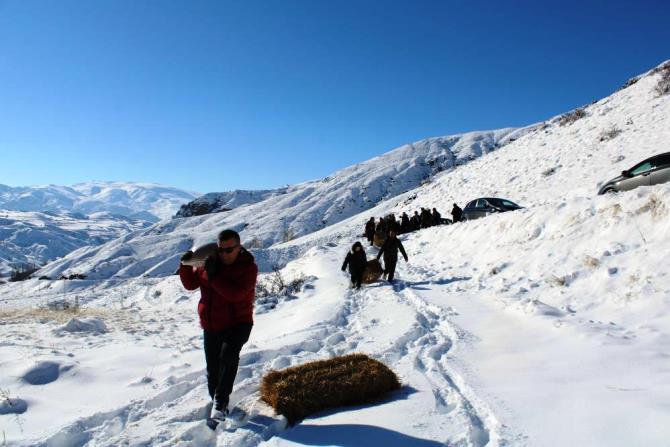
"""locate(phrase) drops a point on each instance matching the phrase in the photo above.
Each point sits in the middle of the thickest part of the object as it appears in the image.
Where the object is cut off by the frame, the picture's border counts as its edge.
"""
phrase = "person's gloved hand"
(186, 256)
(344, 268)
(211, 266)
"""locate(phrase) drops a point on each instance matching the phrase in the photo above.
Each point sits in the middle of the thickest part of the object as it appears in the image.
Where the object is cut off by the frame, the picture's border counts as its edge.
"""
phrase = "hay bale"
(373, 271)
(379, 239)
(299, 391)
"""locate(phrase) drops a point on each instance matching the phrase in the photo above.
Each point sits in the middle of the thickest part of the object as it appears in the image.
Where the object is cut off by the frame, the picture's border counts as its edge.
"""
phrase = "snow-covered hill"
(33, 238)
(547, 326)
(268, 217)
(356, 188)
(140, 201)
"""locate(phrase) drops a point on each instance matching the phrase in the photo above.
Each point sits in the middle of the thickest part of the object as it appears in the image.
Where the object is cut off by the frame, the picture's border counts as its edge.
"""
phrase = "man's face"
(228, 251)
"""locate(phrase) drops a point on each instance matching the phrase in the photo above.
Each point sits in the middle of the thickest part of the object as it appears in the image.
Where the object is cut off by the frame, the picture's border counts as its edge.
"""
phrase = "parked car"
(652, 171)
(487, 205)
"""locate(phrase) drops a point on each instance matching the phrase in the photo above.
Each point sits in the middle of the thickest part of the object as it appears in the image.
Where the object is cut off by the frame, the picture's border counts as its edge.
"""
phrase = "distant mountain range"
(41, 223)
(140, 201)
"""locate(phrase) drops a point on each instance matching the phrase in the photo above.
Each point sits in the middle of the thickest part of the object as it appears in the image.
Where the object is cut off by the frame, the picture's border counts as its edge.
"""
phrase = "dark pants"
(389, 268)
(357, 279)
(222, 354)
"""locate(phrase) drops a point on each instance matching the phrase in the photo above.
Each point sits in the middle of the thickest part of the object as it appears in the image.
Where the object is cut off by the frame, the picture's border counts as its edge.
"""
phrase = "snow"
(35, 238)
(545, 326)
(93, 325)
(138, 201)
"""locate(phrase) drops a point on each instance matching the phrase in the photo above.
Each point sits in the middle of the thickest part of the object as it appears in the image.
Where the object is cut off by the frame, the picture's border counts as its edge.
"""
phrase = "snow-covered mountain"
(141, 201)
(215, 202)
(358, 187)
(546, 326)
(267, 217)
(34, 238)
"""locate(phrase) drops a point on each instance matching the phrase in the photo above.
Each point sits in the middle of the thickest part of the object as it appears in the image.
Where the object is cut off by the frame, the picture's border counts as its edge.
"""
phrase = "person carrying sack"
(227, 285)
(390, 251)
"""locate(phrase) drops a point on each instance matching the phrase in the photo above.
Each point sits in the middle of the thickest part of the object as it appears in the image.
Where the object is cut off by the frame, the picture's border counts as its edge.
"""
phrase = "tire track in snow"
(428, 344)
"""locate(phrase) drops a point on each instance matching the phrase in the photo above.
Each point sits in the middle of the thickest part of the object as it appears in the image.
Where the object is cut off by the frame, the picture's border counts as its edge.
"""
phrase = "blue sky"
(212, 96)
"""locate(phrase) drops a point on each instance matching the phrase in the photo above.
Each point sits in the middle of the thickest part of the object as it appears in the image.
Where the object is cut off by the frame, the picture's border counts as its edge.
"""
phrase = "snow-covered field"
(547, 326)
(34, 238)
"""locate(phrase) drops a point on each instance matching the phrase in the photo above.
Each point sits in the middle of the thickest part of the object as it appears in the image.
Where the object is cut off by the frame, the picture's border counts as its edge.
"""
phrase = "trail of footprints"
(175, 415)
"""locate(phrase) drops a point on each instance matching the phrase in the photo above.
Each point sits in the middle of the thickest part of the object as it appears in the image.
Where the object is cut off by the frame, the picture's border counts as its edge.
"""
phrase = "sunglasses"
(228, 249)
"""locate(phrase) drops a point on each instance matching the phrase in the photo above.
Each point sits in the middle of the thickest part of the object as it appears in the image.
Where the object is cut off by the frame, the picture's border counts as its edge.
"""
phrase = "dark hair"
(227, 235)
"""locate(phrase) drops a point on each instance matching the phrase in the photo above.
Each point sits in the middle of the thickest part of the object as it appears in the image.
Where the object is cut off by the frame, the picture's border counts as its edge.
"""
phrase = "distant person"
(405, 226)
(370, 230)
(392, 224)
(426, 218)
(356, 260)
(456, 213)
(227, 285)
(390, 251)
(437, 217)
(381, 226)
(415, 221)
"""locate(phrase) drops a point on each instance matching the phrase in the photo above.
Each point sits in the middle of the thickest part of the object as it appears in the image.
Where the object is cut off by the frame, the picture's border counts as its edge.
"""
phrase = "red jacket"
(228, 298)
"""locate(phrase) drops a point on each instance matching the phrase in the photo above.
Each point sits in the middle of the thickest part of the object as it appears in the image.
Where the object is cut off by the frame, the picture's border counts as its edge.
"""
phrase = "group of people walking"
(420, 219)
(357, 261)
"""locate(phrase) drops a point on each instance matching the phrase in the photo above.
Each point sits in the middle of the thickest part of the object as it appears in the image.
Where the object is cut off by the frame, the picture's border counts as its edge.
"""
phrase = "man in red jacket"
(227, 286)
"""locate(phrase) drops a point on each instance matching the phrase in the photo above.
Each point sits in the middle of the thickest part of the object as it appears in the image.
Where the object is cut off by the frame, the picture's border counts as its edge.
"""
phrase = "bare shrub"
(630, 82)
(550, 171)
(254, 243)
(274, 284)
(609, 134)
(288, 234)
(354, 379)
(64, 304)
(655, 206)
(663, 86)
(22, 273)
(591, 262)
(571, 117)
(561, 281)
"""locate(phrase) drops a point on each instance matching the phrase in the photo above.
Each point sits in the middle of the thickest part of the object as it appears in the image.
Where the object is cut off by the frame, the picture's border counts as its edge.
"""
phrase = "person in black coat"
(356, 260)
(415, 221)
(390, 252)
(456, 213)
(426, 218)
(437, 217)
(370, 230)
(405, 226)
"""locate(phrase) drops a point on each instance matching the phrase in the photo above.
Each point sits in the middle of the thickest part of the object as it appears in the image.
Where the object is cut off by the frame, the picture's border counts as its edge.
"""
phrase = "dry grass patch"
(571, 117)
(44, 314)
(655, 206)
(591, 262)
(354, 379)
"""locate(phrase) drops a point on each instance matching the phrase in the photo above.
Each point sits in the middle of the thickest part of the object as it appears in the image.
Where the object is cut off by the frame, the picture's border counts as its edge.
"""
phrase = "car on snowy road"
(487, 205)
(652, 171)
